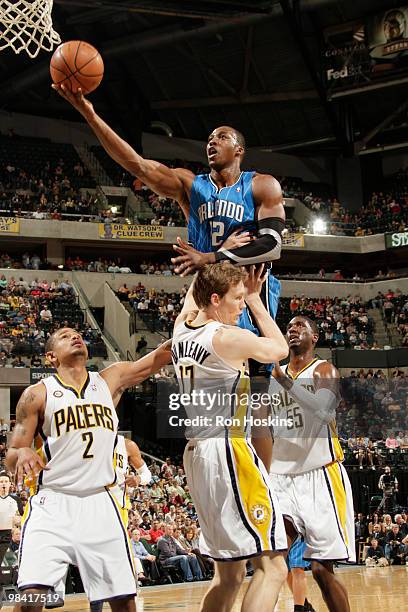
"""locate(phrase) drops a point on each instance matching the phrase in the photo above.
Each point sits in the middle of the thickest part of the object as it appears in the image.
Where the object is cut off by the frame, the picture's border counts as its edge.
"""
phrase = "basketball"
(77, 64)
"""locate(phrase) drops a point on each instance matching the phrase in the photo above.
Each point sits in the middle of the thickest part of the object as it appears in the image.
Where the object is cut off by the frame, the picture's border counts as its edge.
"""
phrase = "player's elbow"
(272, 351)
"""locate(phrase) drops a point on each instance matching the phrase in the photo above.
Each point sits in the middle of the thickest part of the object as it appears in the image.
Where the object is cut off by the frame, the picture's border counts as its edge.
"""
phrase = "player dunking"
(312, 486)
(216, 205)
(238, 513)
(74, 412)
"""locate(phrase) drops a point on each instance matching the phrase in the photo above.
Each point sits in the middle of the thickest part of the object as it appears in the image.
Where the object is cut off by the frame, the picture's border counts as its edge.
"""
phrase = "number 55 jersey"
(302, 441)
(311, 484)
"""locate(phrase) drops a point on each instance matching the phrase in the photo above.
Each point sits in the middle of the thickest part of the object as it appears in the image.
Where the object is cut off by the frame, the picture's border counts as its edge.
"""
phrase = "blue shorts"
(295, 555)
(270, 297)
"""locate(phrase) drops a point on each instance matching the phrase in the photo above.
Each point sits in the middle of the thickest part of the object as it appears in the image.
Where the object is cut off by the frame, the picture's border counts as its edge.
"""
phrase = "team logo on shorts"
(58, 393)
(260, 514)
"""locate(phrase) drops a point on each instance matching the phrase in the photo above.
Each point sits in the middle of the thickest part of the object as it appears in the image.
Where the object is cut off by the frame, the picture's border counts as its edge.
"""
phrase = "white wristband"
(145, 474)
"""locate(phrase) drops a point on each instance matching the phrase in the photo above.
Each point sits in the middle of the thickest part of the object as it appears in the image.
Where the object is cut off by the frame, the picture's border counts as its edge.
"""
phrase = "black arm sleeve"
(266, 247)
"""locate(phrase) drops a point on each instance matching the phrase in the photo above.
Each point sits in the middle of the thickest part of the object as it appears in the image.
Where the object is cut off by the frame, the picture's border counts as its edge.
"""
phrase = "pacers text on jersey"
(82, 416)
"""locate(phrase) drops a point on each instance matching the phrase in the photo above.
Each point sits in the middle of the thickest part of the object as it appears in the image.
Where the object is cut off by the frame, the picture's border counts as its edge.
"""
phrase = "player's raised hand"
(189, 258)
(29, 464)
(277, 372)
(255, 279)
(236, 239)
(77, 99)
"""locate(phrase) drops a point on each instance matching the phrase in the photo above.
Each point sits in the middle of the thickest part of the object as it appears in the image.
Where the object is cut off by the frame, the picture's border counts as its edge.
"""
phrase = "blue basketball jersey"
(216, 213)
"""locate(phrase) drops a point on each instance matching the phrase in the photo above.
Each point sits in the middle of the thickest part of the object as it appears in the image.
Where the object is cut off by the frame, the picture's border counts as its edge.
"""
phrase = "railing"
(110, 343)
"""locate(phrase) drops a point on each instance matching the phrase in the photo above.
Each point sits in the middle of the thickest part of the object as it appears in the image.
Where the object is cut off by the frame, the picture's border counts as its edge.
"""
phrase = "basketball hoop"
(26, 25)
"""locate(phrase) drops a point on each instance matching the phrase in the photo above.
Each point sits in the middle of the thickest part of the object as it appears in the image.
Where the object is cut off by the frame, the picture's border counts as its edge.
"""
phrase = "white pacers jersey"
(305, 442)
(78, 436)
(219, 392)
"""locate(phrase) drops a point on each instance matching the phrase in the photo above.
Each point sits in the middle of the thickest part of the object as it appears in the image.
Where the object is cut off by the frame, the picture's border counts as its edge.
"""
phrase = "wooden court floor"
(370, 589)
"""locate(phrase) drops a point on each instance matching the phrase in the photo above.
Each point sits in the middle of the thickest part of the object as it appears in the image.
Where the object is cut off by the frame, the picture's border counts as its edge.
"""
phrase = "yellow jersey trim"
(295, 376)
(79, 392)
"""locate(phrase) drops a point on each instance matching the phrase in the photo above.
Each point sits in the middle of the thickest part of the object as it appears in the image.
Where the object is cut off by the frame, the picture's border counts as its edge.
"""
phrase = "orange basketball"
(77, 64)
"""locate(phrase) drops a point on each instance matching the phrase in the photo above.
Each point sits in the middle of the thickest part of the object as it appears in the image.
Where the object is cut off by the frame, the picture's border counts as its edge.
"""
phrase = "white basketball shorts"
(60, 529)
(238, 512)
(320, 505)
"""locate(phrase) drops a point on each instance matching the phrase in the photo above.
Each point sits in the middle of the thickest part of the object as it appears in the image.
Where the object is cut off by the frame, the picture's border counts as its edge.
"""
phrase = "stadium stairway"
(380, 332)
(91, 162)
(140, 328)
(395, 336)
(113, 352)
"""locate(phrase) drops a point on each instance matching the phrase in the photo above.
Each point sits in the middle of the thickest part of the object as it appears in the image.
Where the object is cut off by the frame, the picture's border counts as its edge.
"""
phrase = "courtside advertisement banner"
(9, 225)
(119, 231)
(396, 239)
(293, 240)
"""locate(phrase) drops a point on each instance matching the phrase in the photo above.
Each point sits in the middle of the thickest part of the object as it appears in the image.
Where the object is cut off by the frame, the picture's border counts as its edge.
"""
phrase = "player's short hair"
(313, 324)
(49, 345)
(240, 138)
(216, 278)
(4, 474)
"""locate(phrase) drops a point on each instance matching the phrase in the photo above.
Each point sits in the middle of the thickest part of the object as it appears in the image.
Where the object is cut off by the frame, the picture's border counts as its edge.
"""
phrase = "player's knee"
(233, 578)
(273, 566)
(320, 573)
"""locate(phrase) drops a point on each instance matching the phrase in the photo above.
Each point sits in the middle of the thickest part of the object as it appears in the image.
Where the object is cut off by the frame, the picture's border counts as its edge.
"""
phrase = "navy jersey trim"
(234, 485)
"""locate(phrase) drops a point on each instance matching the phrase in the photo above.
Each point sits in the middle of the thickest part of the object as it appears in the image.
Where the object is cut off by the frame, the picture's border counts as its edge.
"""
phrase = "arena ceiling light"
(319, 226)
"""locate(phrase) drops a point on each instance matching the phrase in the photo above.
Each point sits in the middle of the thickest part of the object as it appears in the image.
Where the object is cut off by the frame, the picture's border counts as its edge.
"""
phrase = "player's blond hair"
(216, 278)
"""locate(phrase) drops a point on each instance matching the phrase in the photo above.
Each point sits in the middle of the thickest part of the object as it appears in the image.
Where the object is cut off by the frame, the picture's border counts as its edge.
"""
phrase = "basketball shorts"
(319, 503)
(60, 529)
(295, 555)
(270, 295)
(238, 512)
(122, 498)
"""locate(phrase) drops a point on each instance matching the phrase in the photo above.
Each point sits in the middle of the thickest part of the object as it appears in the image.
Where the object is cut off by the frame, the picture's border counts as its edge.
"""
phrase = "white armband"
(145, 474)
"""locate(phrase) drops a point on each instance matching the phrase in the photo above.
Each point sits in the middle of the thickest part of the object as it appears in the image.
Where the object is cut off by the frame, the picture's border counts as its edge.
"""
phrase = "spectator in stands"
(155, 532)
(375, 555)
(394, 549)
(46, 314)
(139, 551)
(172, 554)
(141, 345)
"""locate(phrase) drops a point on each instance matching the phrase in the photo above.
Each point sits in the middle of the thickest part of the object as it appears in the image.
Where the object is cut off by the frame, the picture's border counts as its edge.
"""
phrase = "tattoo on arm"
(26, 399)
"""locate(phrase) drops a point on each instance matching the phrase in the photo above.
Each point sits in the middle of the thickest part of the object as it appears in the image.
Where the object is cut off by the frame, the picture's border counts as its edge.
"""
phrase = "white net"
(27, 26)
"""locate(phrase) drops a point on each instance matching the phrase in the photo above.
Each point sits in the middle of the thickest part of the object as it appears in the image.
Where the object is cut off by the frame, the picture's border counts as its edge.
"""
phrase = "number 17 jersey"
(216, 213)
(78, 436)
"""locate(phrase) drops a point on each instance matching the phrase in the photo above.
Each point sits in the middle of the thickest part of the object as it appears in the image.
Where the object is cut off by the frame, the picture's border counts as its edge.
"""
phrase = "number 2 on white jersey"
(217, 232)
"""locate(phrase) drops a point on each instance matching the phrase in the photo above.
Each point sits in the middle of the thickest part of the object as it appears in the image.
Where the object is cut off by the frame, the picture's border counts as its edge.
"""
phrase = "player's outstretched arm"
(323, 402)
(125, 374)
(190, 308)
(173, 183)
(241, 344)
(21, 458)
